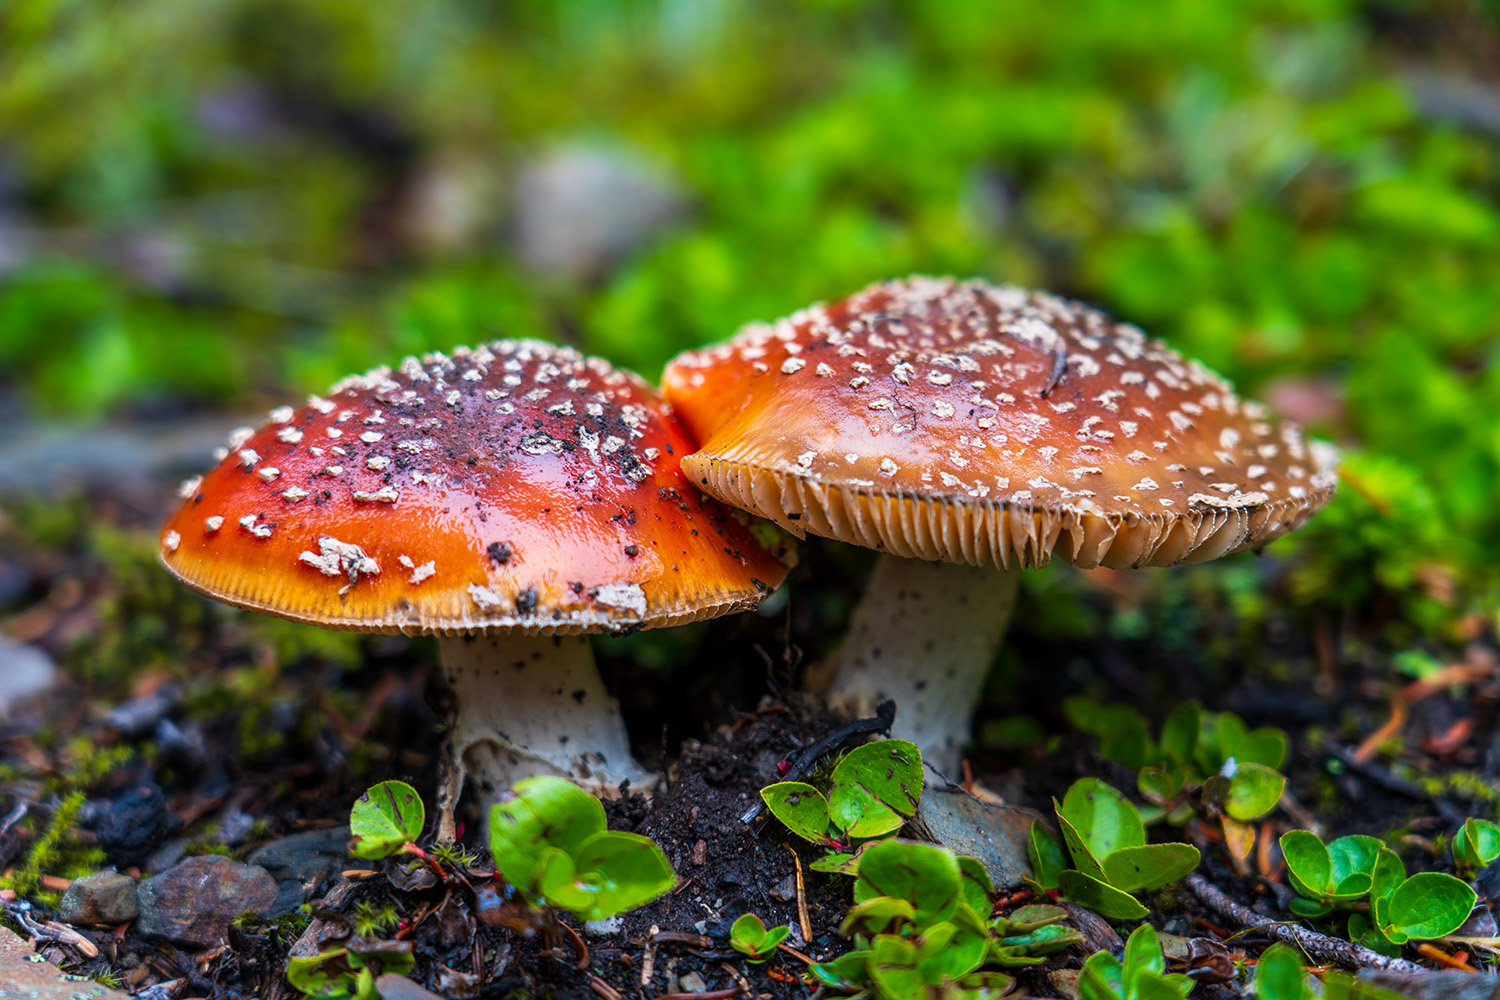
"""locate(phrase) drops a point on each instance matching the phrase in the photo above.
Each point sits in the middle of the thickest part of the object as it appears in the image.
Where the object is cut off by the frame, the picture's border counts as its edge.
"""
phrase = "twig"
(711, 995)
(602, 988)
(803, 923)
(807, 758)
(1476, 669)
(1321, 948)
(796, 954)
(583, 949)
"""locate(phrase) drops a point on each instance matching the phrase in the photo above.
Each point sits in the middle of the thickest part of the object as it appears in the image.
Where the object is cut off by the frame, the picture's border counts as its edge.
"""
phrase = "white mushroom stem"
(924, 633)
(529, 705)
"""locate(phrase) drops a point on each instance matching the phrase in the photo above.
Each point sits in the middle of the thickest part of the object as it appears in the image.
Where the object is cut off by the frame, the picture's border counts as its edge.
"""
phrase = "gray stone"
(25, 974)
(994, 834)
(25, 671)
(304, 856)
(393, 987)
(105, 898)
(193, 902)
(583, 206)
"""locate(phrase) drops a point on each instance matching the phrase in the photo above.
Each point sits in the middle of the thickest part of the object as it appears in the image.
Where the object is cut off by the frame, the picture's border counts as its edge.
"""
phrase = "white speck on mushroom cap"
(336, 558)
(1048, 380)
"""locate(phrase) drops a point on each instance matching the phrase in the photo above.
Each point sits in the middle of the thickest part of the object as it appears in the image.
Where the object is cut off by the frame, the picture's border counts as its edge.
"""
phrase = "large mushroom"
(507, 499)
(951, 425)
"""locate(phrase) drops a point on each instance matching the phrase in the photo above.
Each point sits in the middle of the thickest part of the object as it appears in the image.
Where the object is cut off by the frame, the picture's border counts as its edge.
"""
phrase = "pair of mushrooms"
(512, 497)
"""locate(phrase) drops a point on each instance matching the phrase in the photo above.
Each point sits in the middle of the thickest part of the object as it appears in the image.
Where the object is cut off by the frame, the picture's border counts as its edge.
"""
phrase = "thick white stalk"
(529, 705)
(924, 634)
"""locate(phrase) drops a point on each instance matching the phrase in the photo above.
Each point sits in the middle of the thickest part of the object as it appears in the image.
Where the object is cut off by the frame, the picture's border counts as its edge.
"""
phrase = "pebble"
(582, 207)
(304, 856)
(391, 986)
(24, 671)
(134, 824)
(693, 983)
(193, 902)
(24, 974)
(103, 898)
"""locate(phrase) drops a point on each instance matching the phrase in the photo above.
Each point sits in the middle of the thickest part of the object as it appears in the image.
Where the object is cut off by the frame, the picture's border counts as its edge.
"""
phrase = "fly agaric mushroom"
(507, 499)
(950, 425)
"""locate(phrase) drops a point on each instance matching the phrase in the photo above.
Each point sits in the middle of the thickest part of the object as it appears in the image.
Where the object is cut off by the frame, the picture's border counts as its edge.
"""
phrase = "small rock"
(23, 973)
(393, 987)
(193, 902)
(786, 890)
(1064, 983)
(996, 835)
(24, 671)
(135, 824)
(583, 207)
(304, 856)
(105, 898)
(693, 983)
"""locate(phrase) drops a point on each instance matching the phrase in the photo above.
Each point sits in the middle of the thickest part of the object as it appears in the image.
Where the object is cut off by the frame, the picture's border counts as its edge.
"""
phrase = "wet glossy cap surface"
(972, 423)
(516, 485)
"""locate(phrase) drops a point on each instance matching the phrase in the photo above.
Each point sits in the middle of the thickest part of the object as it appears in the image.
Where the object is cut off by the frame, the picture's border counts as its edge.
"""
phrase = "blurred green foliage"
(240, 199)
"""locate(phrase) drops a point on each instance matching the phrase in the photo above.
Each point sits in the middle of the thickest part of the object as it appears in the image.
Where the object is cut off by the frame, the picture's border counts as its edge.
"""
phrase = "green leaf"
(1179, 734)
(1387, 876)
(1308, 865)
(1266, 747)
(800, 807)
(622, 871)
(1120, 730)
(1428, 905)
(1143, 953)
(1078, 848)
(1045, 855)
(544, 812)
(1099, 896)
(385, 819)
(975, 885)
(1253, 791)
(1136, 869)
(557, 882)
(877, 915)
(875, 787)
(1309, 909)
(1353, 863)
(1025, 919)
(850, 971)
(1105, 818)
(1102, 978)
(837, 863)
(925, 875)
(749, 936)
(1157, 786)
(1477, 843)
(1280, 975)
(893, 968)
(320, 976)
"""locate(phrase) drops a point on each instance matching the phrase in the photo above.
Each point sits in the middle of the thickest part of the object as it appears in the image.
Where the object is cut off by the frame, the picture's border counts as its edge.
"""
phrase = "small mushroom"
(489, 497)
(952, 425)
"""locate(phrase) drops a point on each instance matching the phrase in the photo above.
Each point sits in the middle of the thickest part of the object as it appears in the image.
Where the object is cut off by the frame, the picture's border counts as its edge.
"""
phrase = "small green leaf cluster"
(1476, 844)
(1140, 975)
(870, 792)
(549, 841)
(1280, 975)
(750, 937)
(1106, 841)
(1346, 872)
(921, 928)
(385, 819)
(1237, 769)
(348, 973)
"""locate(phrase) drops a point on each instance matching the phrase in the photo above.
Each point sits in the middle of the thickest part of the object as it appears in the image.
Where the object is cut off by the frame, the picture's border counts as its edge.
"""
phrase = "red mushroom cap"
(517, 485)
(968, 422)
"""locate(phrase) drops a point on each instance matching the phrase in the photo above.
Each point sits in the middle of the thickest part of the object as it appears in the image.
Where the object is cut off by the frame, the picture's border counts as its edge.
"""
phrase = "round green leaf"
(800, 807)
(747, 935)
(1253, 791)
(893, 967)
(1045, 855)
(1266, 747)
(889, 772)
(925, 875)
(321, 976)
(1157, 785)
(1103, 817)
(543, 812)
(1102, 898)
(1136, 869)
(975, 885)
(386, 818)
(1387, 876)
(854, 810)
(1350, 856)
(622, 871)
(1429, 905)
(558, 883)
(1280, 975)
(877, 915)
(1481, 842)
(1308, 865)
(1143, 952)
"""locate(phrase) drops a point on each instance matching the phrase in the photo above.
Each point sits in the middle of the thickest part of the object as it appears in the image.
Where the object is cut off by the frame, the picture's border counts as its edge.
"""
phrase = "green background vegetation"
(235, 201)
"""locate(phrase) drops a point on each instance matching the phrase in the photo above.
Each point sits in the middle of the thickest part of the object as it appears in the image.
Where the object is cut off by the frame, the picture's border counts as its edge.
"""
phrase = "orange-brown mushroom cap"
(968, 422)
(517, 485)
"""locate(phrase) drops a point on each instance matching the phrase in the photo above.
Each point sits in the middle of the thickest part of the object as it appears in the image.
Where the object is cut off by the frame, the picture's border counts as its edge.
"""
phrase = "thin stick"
(1321, 948)
(803, 923)
(583, 949)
